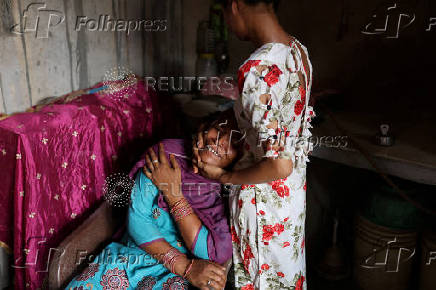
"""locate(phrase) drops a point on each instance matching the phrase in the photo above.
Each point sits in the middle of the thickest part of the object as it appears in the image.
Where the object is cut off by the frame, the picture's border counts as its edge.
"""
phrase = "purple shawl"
(204, 197)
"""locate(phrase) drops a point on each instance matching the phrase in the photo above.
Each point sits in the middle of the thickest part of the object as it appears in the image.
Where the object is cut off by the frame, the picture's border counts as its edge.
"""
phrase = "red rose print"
(248, 287)
(302, 94)
(299, 284)
(253, 200)
(262, 212)
(265, 267)
(266, 243)
(280, 274)
(272, 77)
(286, 190)
(286, 219)
(286, 244)
(268, 232)
(280, 187)
(299, 106)
(305, 186)
(243, 70)
(302, 245)
(279, 228)
(247, 256)
(235, 238)
(240, 203)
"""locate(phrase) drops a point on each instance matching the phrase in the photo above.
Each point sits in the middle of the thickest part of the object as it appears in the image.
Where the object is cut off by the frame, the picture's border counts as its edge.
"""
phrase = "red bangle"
(188, 269)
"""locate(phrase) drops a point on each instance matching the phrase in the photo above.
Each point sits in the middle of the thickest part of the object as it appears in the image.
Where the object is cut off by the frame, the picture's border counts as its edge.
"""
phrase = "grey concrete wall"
(33, 67)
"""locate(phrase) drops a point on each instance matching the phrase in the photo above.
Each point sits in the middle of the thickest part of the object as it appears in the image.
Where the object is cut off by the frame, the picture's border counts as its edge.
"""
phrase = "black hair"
(254, 2)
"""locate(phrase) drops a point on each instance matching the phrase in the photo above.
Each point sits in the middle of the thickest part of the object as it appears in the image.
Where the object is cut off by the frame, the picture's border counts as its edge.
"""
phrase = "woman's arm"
(267, 170)
(147, 235)
(201, 272)
(168, 180)
(159, 248)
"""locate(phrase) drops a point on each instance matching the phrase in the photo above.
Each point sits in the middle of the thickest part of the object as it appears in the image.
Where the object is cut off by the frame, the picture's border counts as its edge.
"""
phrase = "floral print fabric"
(267, 220)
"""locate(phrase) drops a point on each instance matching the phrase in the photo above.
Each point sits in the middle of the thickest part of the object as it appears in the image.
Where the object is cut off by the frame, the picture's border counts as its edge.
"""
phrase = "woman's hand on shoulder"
(166, 175)
(197, 142)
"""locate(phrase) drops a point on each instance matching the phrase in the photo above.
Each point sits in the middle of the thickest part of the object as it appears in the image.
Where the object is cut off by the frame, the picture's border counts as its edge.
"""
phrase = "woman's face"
(218, 150)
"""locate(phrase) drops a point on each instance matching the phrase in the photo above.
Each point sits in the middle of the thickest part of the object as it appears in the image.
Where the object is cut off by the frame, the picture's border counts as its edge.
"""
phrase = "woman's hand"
(167, 177)
(211, 171)
(197, 143)
(206, 275)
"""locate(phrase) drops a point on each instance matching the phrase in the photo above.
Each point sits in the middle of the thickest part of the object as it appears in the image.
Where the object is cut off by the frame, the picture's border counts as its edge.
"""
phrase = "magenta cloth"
(204, 197)
(53, 166)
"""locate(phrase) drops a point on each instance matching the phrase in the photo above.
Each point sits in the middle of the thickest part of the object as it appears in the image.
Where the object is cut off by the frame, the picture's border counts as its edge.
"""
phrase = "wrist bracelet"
(181, 209)
(188, 269)
(180, 201)
(170, 258)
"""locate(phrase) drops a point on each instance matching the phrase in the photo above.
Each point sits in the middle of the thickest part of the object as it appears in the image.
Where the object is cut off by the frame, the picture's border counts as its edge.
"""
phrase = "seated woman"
(177, 231)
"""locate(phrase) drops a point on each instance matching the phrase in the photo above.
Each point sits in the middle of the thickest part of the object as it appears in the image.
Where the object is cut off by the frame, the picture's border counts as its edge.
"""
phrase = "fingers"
(162, 157)
(195, 168)
(148, 174)
(217, 281)
(200, 164)
(195, 165)
(174, 162)
(153, 158)
(217, 269)
(196, 155)
(215, 285)
(200, 143)
(149, 164)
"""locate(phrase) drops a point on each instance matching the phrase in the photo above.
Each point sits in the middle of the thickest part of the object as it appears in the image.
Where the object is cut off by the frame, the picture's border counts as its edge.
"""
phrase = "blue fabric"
(200, 247)
(125, 263)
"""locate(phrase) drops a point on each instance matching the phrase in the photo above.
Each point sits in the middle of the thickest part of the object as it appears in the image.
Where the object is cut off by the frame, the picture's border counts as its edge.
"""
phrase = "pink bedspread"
(53, 166)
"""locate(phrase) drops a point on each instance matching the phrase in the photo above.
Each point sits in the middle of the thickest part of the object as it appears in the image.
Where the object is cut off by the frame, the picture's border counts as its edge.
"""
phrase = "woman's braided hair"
(254, 2)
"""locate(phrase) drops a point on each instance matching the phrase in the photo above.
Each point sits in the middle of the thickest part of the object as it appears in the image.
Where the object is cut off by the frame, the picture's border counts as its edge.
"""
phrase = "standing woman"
(268, 208)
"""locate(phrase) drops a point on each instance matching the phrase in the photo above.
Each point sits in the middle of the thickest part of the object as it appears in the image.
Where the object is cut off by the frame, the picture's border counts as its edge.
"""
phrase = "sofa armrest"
(86, 239)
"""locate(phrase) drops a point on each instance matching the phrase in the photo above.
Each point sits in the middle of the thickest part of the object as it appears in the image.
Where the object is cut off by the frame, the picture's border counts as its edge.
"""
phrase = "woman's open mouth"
(214, 152)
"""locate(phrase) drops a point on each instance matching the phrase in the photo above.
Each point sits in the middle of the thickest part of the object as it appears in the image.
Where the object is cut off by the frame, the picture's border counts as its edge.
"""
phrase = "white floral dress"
(267, 220)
